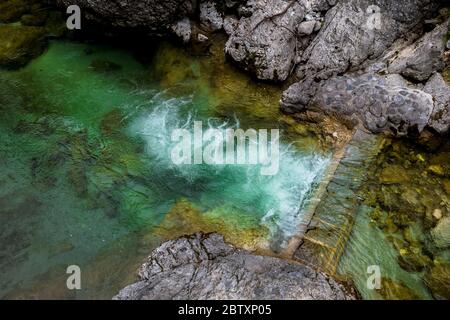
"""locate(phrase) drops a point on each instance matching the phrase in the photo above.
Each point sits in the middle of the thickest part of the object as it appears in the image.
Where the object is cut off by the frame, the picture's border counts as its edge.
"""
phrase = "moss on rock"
(12, 10)
(20, 44)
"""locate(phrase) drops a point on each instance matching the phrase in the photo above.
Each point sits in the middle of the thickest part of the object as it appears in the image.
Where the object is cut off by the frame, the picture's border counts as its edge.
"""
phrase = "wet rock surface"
(20, 44)
(379, 103)
(203, 266)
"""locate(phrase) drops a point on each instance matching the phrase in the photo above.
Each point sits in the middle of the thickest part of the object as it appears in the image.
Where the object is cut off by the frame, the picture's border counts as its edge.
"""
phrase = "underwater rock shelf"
(322, 240)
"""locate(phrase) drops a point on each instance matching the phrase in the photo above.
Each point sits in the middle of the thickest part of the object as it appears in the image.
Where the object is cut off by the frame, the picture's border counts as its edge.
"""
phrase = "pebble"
(437, 214)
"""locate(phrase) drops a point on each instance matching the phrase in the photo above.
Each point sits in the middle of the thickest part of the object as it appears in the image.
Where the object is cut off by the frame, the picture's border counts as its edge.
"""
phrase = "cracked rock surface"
(203, 266)
(380, 103)
(265, 42)
(419, 60)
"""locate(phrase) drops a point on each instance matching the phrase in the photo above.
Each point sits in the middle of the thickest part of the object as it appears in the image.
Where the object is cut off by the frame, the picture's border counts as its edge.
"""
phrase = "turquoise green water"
(86, 177)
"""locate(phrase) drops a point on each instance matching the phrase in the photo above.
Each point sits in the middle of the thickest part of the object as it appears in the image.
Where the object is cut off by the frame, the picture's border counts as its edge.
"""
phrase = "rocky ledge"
(203, 266)
(401, 93)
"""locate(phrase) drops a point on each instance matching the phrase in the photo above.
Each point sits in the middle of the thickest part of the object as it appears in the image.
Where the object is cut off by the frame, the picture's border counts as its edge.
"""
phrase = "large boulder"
(355, 31)
(264, 43)
(153, 15)
(440, 90)
(421, 59)
(203, 266)
(379, 103)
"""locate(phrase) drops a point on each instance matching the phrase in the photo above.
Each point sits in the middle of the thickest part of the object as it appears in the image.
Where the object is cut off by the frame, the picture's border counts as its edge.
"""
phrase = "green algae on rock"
(20, 44)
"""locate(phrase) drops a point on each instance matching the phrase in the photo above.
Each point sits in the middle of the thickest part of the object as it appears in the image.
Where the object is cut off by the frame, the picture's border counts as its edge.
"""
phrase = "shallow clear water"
(86, 177)
(367, 247)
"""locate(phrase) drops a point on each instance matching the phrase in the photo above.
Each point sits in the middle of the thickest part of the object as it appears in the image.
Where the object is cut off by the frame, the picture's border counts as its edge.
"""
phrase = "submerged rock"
(203, 266)
(104, 66)
(20, 44)
(394, 174)
(438, 280)
(184, 218)
(446, 184)
(12, 10)
(393, 290)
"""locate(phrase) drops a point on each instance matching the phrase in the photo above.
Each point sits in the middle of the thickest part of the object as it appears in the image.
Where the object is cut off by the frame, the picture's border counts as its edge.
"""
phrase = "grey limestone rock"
(183, 29)
(264, 43)
(357, 30)
(419, 60)
(210, 18)
(440, 90)
(203, 266)
(380, 104)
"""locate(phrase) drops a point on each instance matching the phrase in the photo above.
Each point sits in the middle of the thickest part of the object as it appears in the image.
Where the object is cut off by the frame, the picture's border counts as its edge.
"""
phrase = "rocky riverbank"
(372, 65)
(203, 266)
(383, 69)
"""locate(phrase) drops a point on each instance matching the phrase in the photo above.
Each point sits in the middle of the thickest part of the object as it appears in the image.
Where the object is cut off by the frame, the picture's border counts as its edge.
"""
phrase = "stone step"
(328, 222)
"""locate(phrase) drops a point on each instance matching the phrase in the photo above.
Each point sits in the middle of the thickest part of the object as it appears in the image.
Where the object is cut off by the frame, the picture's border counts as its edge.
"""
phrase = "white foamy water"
(276, 200)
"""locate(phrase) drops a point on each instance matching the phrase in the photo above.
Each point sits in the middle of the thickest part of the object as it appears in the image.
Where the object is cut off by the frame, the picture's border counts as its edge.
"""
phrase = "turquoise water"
(86, 177)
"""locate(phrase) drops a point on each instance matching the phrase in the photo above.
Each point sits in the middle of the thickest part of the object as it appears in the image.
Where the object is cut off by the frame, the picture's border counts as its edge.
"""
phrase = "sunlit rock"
(203, 266)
